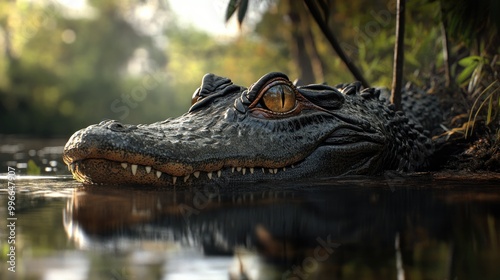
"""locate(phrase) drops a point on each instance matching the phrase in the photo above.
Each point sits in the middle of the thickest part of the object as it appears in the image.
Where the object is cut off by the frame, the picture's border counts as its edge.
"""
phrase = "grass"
(489, 97)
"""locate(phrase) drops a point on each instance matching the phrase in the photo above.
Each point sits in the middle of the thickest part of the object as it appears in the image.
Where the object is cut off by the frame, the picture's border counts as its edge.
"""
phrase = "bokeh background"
(67, 64)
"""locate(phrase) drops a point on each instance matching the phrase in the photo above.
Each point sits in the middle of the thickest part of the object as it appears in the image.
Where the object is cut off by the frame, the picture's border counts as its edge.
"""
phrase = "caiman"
(272, 130)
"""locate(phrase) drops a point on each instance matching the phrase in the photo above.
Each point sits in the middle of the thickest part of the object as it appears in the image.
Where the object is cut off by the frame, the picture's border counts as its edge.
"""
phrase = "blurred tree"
(193, 53)
(63, 71)
(474, 22)
(130, 61)
(303, 44)
(124, 60)
(365, 31)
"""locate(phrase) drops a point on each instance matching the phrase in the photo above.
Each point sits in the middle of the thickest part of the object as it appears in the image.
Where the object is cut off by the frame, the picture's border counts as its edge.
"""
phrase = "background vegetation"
(61, 70)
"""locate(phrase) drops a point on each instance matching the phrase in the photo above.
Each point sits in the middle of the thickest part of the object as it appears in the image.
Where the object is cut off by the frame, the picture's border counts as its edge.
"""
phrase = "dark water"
(393, 227)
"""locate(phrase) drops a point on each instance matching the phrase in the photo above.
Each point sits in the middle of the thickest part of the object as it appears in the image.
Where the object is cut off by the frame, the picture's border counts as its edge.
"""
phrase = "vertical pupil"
(279, 98)
(282, 91)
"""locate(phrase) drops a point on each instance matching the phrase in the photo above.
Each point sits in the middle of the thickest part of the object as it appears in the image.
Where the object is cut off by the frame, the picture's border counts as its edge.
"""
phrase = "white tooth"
(134, 168)
(124, 165)
(148, 169)
(293, 166)
(174, 179)
(232, 169)
(186, 178)
(158, 174)
(251, 170)
(219, 173)
(209, 174)
(275, 170)
(238, 169)
(196, 174)
(284, 168)
(244, 170)
(271, 170)
(263, 170)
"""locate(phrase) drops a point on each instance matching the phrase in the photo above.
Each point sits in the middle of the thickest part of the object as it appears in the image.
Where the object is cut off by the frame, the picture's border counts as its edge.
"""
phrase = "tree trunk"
(299, 50)
(446, 50)
(397, 74)
(316, 63)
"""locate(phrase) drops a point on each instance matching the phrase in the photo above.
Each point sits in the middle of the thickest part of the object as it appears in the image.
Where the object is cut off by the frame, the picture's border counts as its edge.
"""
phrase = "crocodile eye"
(274, 96)
(279, 98)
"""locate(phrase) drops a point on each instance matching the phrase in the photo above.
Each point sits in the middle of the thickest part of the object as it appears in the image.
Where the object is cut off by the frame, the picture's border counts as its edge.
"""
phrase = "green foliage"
(472, 21)
(55, 86)
(472, 70)
(369, 36)
(366, 32)
(194, 53)
(489, 97)
(478, 80)
(478, 77)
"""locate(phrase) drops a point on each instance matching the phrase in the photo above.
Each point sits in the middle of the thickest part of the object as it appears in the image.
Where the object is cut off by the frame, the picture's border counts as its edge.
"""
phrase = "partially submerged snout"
(272, 130)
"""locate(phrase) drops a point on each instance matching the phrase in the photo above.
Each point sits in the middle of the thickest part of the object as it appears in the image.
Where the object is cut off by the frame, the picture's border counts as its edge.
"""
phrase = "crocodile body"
(271, 130)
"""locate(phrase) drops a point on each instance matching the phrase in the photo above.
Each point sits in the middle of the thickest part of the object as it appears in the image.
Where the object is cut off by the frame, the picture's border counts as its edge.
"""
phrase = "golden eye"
(279, 98)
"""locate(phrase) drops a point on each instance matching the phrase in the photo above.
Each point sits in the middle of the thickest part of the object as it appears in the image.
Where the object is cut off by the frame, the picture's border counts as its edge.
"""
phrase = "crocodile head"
(272, 130)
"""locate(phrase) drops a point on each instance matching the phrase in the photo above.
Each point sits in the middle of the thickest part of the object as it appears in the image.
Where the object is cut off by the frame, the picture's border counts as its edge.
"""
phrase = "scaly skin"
(272, 130)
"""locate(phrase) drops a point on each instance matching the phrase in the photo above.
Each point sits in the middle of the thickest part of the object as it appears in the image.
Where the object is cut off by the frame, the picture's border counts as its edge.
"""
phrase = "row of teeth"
(210, 175)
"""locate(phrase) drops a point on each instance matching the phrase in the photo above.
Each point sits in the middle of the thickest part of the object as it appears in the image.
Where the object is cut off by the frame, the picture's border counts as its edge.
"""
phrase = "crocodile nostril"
(116, 126)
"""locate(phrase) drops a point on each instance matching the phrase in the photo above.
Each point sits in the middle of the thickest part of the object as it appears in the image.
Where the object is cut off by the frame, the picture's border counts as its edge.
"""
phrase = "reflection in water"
(352, 229)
